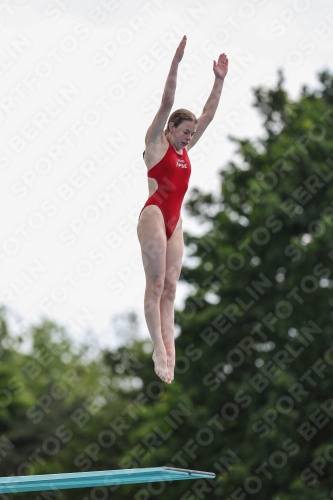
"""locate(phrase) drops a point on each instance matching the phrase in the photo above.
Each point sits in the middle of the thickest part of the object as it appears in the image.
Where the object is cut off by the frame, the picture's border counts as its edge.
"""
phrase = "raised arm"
(155, 131)
(220, 69)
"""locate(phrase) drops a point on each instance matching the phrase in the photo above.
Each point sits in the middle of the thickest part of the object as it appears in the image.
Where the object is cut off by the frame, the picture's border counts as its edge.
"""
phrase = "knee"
(169, 291)
(155, 286)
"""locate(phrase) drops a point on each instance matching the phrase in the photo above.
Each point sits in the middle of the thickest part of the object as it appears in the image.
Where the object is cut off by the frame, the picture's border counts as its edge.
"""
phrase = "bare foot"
(161, 367)
(171, 365)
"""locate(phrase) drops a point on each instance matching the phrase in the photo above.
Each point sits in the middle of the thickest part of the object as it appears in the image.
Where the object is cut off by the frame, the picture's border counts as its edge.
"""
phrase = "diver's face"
(182, 134)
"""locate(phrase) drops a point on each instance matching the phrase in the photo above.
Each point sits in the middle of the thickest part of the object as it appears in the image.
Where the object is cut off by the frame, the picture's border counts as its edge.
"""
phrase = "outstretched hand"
(180, 49)
(220, 67)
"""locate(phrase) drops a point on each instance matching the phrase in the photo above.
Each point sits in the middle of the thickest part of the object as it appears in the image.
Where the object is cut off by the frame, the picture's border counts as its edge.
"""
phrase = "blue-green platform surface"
(15, 484)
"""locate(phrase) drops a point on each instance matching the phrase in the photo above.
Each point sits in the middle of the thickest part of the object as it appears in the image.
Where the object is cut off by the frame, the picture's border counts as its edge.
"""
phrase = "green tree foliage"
(252, 399)
(57, 404)
(255, 359)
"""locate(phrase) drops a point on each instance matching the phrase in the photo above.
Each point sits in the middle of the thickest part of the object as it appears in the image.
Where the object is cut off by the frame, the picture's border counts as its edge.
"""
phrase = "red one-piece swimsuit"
(172, 174)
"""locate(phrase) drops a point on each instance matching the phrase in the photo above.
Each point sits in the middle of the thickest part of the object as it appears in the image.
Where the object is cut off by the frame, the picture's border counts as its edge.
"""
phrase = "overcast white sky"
(81, 81)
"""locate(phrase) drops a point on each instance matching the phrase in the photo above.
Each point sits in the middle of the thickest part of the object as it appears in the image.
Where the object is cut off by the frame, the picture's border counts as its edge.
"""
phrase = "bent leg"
(152, 238)
(174, 255)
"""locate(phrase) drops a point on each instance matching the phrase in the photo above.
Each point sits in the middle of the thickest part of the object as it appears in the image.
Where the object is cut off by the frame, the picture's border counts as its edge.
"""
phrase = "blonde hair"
(179, 116)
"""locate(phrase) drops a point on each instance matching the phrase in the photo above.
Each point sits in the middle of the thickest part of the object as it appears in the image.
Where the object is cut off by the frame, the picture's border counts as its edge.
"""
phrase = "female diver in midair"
(160, 228)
